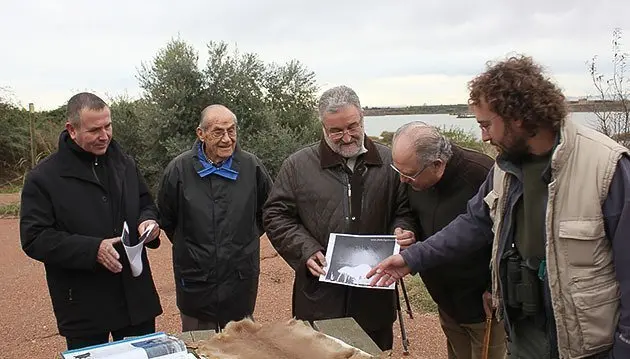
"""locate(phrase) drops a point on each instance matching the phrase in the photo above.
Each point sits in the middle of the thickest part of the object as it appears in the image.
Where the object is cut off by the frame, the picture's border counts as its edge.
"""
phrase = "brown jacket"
(310, 200)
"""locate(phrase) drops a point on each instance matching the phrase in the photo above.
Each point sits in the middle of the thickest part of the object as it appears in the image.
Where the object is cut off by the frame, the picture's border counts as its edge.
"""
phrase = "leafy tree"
(14, 139)
(129, 127)
(169, 110)
(48, 126)
(272, 144)
(290, 118)
(291, 92)
(236, 80)
(274, 104)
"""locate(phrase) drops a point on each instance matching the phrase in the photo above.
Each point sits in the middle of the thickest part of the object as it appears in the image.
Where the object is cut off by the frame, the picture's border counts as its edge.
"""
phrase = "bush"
(468, 140)
(457, 135)
(10, 210)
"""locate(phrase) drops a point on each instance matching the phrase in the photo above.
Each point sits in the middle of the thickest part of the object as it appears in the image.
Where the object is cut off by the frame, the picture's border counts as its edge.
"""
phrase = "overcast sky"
(390, 52)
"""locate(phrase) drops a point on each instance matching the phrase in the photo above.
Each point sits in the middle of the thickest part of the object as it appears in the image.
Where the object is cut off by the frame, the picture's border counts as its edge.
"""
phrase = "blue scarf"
(209, 168)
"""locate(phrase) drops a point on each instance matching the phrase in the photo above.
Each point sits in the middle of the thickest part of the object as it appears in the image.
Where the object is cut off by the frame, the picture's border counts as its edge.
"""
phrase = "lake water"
(375, 125)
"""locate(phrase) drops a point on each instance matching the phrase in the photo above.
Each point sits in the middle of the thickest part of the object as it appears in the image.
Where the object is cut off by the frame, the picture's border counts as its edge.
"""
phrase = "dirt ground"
(27, 321)
(8, 198)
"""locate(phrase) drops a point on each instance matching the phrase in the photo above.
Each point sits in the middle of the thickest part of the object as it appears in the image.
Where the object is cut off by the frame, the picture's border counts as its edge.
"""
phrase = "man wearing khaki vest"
(556, 208)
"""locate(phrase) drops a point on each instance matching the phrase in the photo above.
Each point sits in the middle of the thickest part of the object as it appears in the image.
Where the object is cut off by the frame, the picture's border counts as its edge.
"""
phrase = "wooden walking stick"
(486, 338)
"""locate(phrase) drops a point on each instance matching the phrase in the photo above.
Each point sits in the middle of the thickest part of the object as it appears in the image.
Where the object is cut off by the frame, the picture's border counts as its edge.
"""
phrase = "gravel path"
(27, 321)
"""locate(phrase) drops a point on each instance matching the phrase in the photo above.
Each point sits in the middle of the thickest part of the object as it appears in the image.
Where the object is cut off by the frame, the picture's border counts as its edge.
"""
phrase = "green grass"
(11, 188)
(10, 210)
(419, 298)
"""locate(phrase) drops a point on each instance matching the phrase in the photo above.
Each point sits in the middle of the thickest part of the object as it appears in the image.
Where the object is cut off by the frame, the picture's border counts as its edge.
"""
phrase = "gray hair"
(80, 101)
(203, 123)
(430, 144)
(337, 97)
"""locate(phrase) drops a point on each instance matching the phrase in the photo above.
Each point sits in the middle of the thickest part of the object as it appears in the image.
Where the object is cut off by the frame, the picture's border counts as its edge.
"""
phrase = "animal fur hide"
(285, 340)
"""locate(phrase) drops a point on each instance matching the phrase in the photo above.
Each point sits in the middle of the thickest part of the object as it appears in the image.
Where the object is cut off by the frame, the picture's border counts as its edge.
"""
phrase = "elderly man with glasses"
(343, 184)
(211, 202)
(441, 177)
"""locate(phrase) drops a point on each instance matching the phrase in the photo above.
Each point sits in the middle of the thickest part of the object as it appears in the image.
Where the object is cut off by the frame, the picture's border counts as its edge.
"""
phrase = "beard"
(514, 148)
(346, 150)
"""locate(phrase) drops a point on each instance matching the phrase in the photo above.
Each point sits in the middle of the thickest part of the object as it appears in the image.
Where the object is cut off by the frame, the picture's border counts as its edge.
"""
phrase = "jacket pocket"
(597, 310)
(191, 277)
(586, 242)
(247, 272)
(311, 287)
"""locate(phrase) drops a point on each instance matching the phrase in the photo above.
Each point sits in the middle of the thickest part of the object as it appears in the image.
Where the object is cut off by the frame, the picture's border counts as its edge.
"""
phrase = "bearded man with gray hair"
(343, 184)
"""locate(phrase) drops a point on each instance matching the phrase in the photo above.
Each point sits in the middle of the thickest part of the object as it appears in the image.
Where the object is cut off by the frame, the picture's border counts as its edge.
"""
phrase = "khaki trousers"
(465, 341)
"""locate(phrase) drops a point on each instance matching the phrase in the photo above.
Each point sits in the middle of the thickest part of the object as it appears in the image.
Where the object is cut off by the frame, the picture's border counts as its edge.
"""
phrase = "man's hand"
(486, 298)
(108, 256)
(388, 271)
(316, 264)
(154, 233)
(404, 237)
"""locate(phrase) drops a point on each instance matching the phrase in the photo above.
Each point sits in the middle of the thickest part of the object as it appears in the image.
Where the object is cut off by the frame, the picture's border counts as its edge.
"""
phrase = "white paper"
(350, 257)
(157, 345)
(134, 253)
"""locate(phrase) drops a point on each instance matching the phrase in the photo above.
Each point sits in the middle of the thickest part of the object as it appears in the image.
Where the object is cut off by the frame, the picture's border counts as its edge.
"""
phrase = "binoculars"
(523, 285)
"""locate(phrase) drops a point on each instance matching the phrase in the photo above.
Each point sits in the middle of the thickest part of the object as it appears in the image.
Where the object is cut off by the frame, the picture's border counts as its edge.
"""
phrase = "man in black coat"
(441, 177)
(211, 201)
(74, 204)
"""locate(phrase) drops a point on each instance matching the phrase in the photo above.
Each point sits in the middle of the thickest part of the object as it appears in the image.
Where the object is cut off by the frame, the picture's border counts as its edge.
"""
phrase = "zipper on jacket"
(70, 294)
(216, 255)
(348, 216)
(350, 201)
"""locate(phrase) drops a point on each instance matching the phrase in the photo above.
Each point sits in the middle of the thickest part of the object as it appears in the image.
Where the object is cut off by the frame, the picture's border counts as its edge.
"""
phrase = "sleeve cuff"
(410, 259)
(154, 244)
(621, 347)
(309, 252)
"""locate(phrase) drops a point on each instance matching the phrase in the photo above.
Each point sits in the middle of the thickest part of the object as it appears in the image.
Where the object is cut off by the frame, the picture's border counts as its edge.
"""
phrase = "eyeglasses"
(484, 124)
(337, 134)
(411, 178)
(218, 134)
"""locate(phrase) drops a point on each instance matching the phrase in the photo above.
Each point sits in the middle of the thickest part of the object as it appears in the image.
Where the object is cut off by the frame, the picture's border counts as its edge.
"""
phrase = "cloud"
(396, 52)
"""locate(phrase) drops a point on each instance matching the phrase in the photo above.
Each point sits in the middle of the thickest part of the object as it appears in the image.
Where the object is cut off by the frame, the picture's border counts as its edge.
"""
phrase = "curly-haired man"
(556, 208)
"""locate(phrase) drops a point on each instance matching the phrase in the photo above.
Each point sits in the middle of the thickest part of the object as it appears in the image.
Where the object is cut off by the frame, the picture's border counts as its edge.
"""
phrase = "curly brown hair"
(517, 89)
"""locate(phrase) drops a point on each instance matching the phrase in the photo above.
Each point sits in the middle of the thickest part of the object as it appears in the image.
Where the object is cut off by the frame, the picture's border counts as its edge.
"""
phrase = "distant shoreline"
(574, 106)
